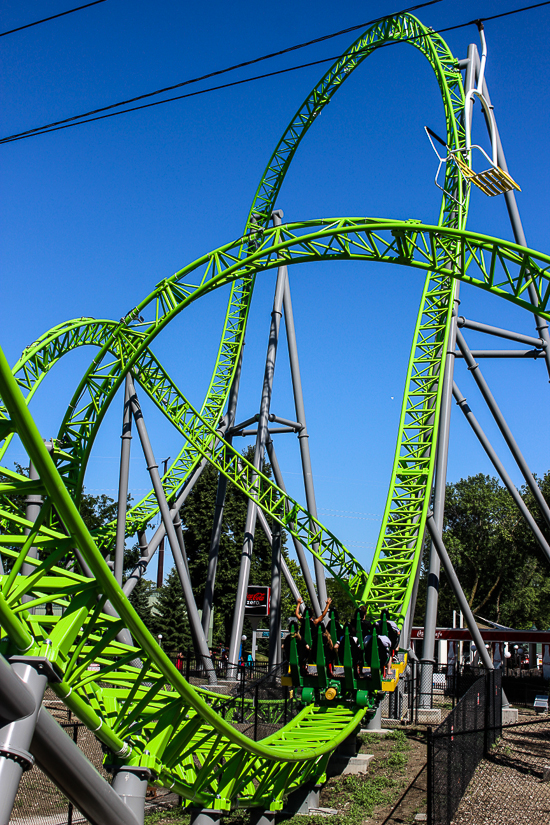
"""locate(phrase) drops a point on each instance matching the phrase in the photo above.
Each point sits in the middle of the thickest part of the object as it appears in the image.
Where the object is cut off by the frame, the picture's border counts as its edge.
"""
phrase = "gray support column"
(160, 555)
(499, 467)
(214, 549)
(16, 737)
(58, 756)
(432, 595)
(517, 226)
(130, 783)
(474, 368)
(199, 639)
(125, 447)
(284, 567)
(32, 510)
(252, 511)
(275, 653)
(279, 481)
(148, 549)
(437, 541)
(303, 437)
(64, 763)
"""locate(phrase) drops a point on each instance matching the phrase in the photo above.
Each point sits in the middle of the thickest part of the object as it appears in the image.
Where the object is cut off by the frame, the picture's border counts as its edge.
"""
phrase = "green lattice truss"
(149, 715)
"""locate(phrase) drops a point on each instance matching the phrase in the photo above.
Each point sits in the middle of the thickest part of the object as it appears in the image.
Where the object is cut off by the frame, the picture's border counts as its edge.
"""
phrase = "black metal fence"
(512, 783)
(456, 747)
(192, 667)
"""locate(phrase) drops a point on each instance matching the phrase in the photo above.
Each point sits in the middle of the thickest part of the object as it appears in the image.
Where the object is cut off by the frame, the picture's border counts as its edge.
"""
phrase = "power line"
(214, 74)
(45, 19)
(43, 130)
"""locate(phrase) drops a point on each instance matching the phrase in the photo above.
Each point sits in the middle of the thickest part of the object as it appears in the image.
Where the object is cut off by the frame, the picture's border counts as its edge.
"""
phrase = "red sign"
(257, 601)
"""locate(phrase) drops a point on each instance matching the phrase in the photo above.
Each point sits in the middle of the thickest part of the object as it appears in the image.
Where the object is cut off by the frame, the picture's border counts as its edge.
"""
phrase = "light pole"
(159, 637)
(160, 566)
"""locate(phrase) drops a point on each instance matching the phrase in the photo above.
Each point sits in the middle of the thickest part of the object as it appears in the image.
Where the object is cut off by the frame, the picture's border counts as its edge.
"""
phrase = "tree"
(170, 616)
(500, 566)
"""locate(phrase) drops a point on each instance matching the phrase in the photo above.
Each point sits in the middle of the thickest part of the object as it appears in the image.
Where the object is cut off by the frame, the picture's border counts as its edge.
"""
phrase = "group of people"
(387, 638)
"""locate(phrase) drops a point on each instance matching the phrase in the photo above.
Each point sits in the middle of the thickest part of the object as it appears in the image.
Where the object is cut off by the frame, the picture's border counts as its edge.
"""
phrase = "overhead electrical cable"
(74, 121)
(53, 17)
(218, 72)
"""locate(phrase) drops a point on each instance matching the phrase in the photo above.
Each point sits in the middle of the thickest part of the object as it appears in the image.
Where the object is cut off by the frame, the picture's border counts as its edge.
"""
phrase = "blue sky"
(95, 215)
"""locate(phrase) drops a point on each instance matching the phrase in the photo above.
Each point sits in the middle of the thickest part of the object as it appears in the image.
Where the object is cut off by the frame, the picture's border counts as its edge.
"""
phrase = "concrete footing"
(205, 816)
(509, 716)
(349, 765)
(302, 800)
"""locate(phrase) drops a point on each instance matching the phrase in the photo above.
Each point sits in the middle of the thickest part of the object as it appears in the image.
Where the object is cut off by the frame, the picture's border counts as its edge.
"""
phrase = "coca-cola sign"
(257, 601)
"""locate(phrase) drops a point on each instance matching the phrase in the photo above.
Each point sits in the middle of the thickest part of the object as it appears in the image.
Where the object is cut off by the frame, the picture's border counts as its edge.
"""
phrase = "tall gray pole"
(214, 550)
(148, 549)
(432, 595)
(199, 639)
(437, 542)
(125, 447)
(33, 504)
(517, 226)
(475, 369)
(275, 652)
(303, 437)
(160, 557)
(251, 514)
(279, 481)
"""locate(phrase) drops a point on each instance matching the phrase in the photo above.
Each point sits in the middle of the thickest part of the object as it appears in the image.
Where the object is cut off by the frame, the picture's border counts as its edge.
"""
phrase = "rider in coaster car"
(384, 649)
(303, 649)
(393, 631)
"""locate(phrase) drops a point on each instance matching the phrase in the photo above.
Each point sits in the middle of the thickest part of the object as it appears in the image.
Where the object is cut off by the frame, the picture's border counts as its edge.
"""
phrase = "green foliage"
(500, 566)
(170, 616)
(341, 600)
(197, 515)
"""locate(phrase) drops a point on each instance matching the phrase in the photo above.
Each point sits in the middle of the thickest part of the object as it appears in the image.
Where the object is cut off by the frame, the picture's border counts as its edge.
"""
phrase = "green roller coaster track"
(134, 700)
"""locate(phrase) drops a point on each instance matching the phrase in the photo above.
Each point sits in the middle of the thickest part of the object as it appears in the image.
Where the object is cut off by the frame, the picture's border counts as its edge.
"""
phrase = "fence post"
(256, 714)
(487, 714)
(429, 776)
(187, 665)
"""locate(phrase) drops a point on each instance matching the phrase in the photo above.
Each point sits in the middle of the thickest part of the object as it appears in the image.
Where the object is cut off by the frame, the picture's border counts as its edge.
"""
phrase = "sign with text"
(257, 601)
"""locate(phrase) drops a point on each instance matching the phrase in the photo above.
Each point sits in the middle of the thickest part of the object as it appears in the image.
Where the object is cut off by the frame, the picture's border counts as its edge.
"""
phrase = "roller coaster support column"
(279, 481)
(148, 549)
(221, 491)
(199, 639)
(261, 439)
(515, 221)
(303, 436)
(130, 783)
(432, 596)
(16, 735)
(275, 651)
(437, 541)
(126, 439)
(474, 368)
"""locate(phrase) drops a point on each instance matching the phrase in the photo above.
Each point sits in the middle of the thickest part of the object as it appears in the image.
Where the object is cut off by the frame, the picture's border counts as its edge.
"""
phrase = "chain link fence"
(456, 747)
(512, 782)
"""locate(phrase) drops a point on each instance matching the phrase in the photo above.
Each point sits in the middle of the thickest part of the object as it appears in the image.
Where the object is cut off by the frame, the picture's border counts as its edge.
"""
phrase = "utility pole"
(160, 568)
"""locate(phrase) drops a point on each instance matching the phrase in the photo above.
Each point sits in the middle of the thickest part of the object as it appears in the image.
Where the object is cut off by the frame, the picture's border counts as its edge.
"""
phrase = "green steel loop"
(500, 267)
(151, 716)
(390, 30)
(405, 28)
